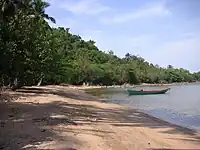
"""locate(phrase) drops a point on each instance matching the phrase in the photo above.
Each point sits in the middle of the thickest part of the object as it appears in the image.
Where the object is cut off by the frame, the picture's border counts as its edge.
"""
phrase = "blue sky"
(161, 31)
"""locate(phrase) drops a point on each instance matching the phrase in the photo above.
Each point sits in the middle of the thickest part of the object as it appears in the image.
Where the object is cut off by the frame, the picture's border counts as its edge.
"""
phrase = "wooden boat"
(147, 92)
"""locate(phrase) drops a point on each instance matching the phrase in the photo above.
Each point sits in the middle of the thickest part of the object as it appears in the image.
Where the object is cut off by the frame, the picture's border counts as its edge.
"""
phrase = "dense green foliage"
(32, 52)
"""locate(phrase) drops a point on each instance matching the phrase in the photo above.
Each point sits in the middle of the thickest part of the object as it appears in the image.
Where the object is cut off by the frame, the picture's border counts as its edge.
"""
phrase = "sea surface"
(180, 105)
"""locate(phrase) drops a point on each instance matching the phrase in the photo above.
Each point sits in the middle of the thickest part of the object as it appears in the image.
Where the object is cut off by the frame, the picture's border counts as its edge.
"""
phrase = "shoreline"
(107, 100)
(85, 87)
(95, 98)
(189, 129)
(76, 120)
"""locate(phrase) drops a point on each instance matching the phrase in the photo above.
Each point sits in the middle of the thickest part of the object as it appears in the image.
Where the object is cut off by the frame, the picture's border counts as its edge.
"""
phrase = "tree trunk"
(40, 82)
(16, 84)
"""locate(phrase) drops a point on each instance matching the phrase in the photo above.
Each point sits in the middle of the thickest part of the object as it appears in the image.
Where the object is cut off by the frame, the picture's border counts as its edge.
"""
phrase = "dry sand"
(65, 119)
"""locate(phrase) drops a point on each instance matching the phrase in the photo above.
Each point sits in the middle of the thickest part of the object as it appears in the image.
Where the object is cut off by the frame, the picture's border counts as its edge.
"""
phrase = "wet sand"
(61, 118)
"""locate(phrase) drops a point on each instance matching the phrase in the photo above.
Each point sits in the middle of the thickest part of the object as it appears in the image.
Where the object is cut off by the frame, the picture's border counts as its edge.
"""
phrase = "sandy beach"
(63, 118)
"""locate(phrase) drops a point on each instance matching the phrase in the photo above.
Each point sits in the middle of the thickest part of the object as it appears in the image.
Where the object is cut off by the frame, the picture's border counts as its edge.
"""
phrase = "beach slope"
(68, 119)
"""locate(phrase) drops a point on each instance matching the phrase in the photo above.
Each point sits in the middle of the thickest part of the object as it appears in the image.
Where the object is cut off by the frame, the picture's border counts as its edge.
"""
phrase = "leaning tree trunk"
(40, 82)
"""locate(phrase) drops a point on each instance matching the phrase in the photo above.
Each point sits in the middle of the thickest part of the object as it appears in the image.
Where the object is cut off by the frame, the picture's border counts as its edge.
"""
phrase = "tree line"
(33, 53)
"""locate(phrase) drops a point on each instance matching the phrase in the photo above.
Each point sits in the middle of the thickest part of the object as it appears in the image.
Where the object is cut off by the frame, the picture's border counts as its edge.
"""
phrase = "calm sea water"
(181, 105)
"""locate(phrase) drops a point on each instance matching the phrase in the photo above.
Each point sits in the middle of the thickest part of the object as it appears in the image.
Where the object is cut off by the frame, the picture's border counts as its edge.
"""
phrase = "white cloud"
(92, 34)
(188, 34)
(89, 7)
(51, 1)
(145, 12)
(184, 54)
(66, 23)
(120, 44)
(142, 41)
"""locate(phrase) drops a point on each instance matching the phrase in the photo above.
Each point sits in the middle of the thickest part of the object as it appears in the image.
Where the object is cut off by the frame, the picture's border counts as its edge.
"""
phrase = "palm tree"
(36, 7)
(39, 7)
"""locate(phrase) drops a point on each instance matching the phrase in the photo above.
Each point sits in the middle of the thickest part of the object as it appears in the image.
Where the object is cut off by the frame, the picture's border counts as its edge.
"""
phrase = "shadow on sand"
(26, 124)
(59, 91)
(169, 149)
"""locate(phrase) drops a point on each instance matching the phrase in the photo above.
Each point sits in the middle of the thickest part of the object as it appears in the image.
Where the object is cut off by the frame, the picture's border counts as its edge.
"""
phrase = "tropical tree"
(33, 53)
(9, 7)
(39, 7)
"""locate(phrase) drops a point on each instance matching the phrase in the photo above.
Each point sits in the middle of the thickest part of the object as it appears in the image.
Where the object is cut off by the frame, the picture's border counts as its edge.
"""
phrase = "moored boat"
(147, 92)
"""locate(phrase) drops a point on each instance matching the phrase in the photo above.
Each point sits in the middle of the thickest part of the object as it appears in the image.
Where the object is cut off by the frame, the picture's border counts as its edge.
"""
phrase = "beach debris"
(43, 130)
(10, 116)
(55, 119)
